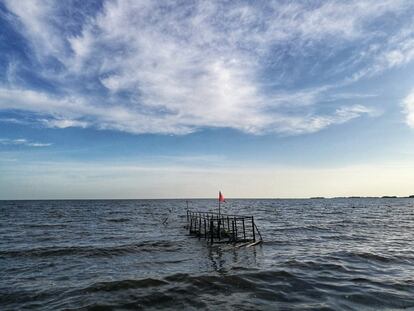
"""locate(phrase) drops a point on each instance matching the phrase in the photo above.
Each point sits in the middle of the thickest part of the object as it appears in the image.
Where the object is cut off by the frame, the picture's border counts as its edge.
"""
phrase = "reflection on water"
(348, 254)
(224, 258)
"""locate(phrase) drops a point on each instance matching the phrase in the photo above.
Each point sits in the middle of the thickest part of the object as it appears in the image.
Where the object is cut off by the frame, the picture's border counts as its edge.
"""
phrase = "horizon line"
(230, 198)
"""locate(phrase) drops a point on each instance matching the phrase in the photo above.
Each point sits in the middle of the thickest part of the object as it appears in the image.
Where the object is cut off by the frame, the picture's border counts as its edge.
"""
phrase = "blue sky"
(155, 99)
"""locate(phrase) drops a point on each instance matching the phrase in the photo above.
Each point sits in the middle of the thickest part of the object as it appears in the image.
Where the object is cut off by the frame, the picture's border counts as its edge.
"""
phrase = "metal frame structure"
(223, 228)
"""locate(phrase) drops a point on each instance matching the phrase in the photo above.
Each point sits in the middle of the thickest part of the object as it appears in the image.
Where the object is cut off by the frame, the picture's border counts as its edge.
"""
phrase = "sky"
(181, 99)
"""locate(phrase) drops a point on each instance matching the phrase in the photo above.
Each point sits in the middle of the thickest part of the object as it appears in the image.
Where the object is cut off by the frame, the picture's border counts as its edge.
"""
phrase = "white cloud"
(408, 104)
(37, 17)
(396, 51)
(64, 113)
(314, 123)
(22, 142)
(64, 123)
(193, 65)
(39, 144)
(13, 120)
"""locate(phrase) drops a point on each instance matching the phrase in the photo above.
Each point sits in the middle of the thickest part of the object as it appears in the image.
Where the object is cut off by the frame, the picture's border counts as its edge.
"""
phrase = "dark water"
(118, 255)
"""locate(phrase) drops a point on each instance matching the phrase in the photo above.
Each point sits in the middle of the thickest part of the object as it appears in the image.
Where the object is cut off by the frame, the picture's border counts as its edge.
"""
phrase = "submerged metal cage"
(222, 228)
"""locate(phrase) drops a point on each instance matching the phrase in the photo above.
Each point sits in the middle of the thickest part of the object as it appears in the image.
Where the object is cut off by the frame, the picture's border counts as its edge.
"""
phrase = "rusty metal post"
(235, 228)
(254, 235)
(205, 228)
(232, 230)
(218, 228)
(199, 227)
(212, 231)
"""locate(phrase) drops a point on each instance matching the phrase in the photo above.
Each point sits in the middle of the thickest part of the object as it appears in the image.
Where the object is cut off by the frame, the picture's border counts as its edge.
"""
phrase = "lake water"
(332, 254)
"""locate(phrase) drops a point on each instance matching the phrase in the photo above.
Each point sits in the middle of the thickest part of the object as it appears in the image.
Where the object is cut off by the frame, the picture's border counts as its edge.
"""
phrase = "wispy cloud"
(64, 123)
(22, 142)
(154, 67)
(408, 104)
(14, 121)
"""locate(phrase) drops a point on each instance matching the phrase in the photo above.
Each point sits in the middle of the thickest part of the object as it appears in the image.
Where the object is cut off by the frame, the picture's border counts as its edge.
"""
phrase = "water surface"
(333, 254)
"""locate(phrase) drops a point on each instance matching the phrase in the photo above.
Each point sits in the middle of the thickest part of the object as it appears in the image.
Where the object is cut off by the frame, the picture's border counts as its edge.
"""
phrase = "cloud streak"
(22, 142)
(408, 104)
(150, 67)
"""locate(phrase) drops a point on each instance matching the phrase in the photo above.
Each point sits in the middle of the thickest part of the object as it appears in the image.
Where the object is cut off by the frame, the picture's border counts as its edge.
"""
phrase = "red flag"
(221, 197)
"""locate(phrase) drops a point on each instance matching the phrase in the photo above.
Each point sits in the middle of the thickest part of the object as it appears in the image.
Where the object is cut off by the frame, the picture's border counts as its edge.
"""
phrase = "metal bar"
(199, 227)
(212, 226)
(232, 230)
(235, 229)
(219, 207)
(205, 229)
(218, 228)
(230, 215)
(261, 239)
(254, 235)
(212, 231)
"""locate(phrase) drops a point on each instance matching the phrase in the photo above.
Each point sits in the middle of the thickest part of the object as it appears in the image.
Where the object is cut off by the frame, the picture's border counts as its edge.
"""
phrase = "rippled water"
(118, 255)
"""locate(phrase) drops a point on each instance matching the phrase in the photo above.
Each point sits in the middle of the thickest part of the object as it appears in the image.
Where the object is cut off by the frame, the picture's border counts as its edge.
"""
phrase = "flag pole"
(219, 203)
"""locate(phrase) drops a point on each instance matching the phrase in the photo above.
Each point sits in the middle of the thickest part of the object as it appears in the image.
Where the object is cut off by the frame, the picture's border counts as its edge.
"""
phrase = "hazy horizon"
(228, 199)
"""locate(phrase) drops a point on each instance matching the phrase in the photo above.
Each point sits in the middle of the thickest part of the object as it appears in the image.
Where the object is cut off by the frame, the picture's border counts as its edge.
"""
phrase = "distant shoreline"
(189, 199)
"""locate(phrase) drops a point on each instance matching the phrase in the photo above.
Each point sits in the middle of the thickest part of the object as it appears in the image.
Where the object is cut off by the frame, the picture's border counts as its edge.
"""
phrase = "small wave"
(278, 242)
(316, 266)
(187, 292)
(241, 279)
(311, 228)
(369, 257)
(375, 257)
(241, 268)
(244, 291)
(118, 220)
(91, 251)
(124, 284)
(47, 226)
